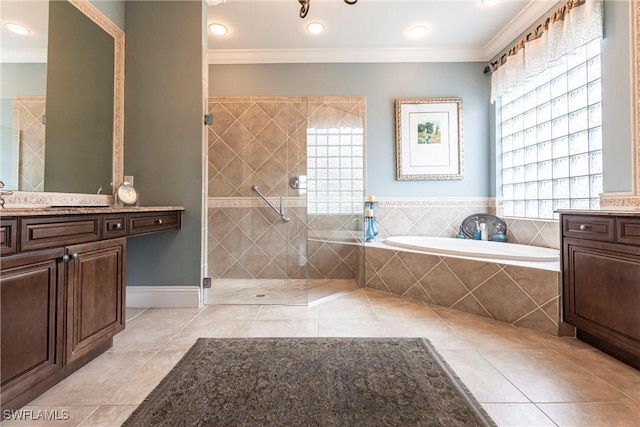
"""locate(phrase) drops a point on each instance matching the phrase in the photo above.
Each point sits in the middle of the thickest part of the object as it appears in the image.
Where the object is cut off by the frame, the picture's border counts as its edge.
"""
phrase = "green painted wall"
(163, 128)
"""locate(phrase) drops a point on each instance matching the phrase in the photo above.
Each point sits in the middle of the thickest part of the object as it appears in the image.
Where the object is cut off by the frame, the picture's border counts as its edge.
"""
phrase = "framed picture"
(429, 138)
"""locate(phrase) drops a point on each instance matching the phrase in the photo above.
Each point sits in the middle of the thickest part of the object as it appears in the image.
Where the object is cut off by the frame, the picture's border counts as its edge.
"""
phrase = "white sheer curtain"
(581, 25)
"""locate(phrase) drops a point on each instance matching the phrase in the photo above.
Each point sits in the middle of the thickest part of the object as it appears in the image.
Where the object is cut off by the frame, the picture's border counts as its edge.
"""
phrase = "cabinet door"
(95, 306)
(32, 316)
(602, 291)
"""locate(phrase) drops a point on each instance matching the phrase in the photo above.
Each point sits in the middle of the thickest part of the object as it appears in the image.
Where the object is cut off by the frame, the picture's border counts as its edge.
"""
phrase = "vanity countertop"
(612, 211)
(77, 210)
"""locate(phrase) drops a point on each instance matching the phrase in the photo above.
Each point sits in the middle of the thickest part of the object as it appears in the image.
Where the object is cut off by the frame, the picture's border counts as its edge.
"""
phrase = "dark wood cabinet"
(95, 302)
(62, 293)
(601, 282)
(32, 296)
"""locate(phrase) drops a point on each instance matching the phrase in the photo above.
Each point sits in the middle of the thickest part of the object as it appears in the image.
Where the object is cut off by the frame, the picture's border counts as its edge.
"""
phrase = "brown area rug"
(311, 382)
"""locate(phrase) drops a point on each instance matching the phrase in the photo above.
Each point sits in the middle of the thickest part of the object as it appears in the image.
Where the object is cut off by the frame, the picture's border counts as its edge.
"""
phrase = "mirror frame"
(33, 199)
(631, 199)
(118, 85)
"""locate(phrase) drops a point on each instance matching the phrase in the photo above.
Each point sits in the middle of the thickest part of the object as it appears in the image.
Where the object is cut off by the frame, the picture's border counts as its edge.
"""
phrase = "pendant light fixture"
(304, 6)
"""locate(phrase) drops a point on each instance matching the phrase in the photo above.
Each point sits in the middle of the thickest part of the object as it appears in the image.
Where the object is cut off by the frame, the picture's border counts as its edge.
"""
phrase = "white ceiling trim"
(533, 11)
(23, 56)
(283, 56)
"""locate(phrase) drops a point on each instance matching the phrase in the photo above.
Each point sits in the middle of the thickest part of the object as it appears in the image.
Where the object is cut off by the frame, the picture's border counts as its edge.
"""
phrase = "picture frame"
(429, 139)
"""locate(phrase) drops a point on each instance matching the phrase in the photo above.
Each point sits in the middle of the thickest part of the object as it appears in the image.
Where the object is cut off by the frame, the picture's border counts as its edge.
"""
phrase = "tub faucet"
(2, 194)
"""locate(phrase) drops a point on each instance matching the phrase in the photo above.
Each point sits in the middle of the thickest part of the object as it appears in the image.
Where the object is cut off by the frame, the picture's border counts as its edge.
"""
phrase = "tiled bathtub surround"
(521, 296)
(442, 217)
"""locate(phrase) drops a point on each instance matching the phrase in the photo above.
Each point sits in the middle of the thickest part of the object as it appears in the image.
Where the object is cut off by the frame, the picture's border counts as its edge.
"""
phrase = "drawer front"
(150, 222)
(9, 236)
(628, 230)
(39, 233)
(114, 225)
(589, 227)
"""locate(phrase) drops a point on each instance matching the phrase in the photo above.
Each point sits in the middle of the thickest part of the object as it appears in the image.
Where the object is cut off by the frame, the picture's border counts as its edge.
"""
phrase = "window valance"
(577, 23)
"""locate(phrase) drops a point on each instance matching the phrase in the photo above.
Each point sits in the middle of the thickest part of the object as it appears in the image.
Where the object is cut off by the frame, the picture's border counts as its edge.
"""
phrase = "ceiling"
(271, 31)
(369, 31)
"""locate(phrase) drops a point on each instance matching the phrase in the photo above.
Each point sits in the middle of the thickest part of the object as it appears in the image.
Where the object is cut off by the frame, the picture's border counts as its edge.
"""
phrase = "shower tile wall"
(256, 141)
(262, 141)
(29, 137)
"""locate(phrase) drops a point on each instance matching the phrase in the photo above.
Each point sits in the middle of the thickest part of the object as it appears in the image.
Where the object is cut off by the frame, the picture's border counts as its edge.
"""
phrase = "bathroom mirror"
(76, 132)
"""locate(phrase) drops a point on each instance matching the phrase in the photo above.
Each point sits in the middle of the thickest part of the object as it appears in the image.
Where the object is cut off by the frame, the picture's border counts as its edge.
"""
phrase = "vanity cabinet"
(95, 301)
(601, 281)
(62, 294)
(32, 299)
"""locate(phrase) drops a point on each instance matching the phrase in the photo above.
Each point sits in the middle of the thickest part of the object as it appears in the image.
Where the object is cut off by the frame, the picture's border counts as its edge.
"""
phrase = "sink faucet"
(2, 194)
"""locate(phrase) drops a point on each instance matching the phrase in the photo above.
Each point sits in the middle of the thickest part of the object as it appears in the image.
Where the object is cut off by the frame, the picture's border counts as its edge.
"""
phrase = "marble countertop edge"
(77, 210)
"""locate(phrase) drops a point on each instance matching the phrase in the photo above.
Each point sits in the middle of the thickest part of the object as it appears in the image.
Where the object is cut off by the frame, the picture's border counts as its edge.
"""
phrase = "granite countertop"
(612, 211)
(77, 210)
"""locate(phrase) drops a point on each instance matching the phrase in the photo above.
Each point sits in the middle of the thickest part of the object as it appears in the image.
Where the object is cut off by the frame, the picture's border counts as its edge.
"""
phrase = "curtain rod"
(534, 33)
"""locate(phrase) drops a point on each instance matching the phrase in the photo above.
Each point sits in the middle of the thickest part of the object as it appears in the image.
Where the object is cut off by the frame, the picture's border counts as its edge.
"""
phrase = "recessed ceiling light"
(490, 3)
(18, 29)
(418, 32)
(315, 27)
(218, 29)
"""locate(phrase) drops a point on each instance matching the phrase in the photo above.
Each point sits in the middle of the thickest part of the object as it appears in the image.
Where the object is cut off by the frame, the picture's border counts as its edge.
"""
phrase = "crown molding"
(23, 56)
(533, 11)
(281, 56)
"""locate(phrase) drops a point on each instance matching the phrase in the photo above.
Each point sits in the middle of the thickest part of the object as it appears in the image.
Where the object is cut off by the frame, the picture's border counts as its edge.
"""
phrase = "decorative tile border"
(427, 202)
(254, 202)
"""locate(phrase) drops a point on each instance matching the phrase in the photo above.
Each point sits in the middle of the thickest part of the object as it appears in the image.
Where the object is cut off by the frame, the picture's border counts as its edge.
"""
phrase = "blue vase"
(371, 231)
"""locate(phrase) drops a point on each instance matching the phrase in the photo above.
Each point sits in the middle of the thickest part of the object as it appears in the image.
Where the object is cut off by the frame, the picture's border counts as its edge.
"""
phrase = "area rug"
(310, 382)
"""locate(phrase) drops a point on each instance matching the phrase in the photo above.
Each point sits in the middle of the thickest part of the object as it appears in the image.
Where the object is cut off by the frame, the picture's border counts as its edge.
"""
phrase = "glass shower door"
(255, 255)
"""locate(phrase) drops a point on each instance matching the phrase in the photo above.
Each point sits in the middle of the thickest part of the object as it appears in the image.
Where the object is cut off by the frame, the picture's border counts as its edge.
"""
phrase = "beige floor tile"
(132, 312)
(355, 305)
(236, 312)
(350, 328)
(401, 308)
(284, 328)
(145, 379)
(487, 334)
(545, 377)
(209, 328)
(171, 313)
(440, 335)
(619, 375)
(593, 414)
(284, 312)
(108, 416)
(517, 415)
(57, 416)
(481, 378)
(148, 334)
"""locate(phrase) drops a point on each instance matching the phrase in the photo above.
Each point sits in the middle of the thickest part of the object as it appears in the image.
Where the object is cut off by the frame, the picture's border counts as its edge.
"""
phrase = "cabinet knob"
(584, 227)
(65, 258)
(117, 226)
(159, 221)
(74, 256)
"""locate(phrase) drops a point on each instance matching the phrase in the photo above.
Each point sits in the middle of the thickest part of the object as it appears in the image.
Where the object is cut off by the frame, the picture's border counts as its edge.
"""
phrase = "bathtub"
(516, 284)
(475, 248)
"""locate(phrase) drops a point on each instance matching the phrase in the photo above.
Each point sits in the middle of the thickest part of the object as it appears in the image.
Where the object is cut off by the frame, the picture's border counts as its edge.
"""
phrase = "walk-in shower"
(286, 190)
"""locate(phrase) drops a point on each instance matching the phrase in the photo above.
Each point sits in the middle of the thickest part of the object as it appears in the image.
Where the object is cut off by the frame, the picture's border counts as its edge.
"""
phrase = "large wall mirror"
(62, 98)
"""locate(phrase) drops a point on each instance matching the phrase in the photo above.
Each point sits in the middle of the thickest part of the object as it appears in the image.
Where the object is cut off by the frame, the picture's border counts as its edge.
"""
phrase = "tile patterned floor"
(521, 377)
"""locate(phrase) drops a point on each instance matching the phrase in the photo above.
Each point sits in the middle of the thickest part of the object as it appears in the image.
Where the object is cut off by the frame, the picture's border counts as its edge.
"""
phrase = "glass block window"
(551, 139)
(335, 170)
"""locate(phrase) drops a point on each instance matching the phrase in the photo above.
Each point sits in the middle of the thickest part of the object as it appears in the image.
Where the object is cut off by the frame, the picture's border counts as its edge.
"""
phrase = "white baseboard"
(163, 296)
